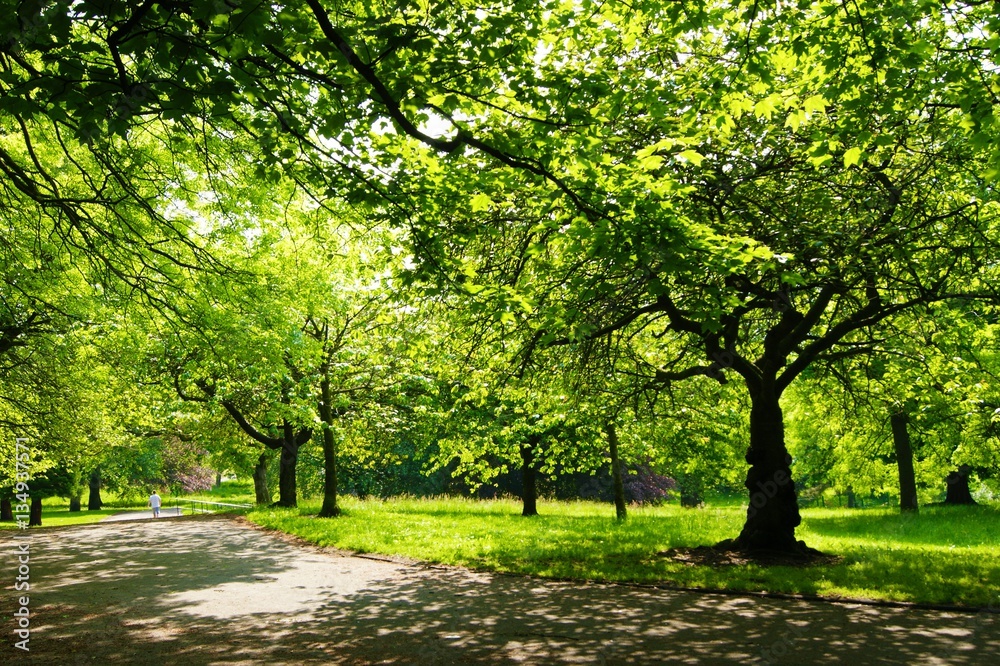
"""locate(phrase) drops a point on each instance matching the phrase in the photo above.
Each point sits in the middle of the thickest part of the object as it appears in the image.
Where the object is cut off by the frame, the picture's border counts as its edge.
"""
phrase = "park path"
(217, 591)
(166, 512)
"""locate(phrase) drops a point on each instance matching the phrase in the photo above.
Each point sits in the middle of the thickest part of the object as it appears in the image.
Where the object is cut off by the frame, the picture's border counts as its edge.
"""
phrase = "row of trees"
(524, 232)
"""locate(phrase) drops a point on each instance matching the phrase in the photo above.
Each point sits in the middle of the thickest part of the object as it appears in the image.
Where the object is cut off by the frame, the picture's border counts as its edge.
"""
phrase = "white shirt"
(154, 501)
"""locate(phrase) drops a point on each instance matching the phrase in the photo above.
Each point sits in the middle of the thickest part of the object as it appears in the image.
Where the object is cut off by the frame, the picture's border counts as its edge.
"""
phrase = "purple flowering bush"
(644, 486)
(182, 468)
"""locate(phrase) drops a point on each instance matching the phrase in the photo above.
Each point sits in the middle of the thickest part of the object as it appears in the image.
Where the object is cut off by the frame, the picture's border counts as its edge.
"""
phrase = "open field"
(945, 555)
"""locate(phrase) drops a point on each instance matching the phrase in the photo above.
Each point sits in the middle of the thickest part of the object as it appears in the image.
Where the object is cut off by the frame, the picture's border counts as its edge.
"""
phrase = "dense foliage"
(469, 240)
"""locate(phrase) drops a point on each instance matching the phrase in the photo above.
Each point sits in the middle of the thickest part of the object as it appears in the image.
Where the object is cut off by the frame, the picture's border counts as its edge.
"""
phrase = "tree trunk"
(75, 501)
(35, 513)
(616, 472)
(260, 489)
(6, 509)
(529, 493)
(94, 502)
(773, 513)
(218, 479)
(330, 508)
(287, 496)
(852, 501)
(958, 487)
(904, 461)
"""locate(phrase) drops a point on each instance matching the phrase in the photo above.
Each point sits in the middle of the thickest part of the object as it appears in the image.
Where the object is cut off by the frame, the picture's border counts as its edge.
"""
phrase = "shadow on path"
(214, 591)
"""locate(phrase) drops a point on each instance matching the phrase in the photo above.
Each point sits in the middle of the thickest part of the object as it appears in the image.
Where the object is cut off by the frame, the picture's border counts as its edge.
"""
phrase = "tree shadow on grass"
(211, 591)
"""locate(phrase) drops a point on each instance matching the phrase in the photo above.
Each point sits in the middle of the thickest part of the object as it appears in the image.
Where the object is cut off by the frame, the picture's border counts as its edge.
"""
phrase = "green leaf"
(481, 202)
(650, 162)
(692, 156)
(764, 108)
(816, 103)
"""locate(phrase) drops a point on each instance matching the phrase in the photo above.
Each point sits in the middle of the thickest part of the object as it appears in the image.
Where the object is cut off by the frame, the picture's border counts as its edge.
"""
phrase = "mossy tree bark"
(262, 493)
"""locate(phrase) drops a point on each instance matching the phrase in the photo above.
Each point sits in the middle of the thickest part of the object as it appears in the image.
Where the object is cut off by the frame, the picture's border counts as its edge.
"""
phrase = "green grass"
(945, 555)
(233, 492)
(60, 516)
(56, 513)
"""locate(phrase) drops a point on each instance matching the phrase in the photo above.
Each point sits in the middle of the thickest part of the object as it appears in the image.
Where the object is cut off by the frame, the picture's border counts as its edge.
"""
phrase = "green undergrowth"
(944, 555)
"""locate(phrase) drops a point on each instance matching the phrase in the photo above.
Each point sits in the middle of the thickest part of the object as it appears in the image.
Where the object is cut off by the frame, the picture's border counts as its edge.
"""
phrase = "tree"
(697, 190)
(919, 402)
(314, 339)
(802, 211)
(94, 501)
(63, 398)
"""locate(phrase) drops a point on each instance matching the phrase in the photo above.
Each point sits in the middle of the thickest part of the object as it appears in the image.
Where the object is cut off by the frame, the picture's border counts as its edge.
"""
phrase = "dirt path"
(214, 591)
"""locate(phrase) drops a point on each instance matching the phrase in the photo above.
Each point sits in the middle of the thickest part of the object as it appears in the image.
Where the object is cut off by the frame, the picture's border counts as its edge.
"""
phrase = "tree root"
(731, 553)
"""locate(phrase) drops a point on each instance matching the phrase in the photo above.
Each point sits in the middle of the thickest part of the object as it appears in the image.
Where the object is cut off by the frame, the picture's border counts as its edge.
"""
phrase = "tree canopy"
(488, 223)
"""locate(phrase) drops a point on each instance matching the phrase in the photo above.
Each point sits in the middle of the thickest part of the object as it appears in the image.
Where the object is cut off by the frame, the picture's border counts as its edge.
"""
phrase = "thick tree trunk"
(958, 487)
(529, 480)
(6, 509)
(260, 489)
(616, 472)
(773, 513)
(330, 508)
(287, 496)
(218, 479)
(904, 461)
(94, 502)
(75, 501)
(852, 500)
(35, 513)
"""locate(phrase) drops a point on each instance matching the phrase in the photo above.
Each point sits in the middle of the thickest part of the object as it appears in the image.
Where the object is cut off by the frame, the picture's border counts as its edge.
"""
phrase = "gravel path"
(216, 591)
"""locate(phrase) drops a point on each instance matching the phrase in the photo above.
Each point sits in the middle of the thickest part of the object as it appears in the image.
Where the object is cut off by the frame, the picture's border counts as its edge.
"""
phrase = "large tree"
(764, 182)
(768, 226)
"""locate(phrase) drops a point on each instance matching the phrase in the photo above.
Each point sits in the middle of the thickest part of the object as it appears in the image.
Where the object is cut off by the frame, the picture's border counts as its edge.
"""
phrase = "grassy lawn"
(56, 513)
(60, 516)
(235, 492)
(944, 555)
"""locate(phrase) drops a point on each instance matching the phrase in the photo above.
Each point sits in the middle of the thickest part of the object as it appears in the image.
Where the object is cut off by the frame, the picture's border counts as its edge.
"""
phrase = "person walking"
(154, 504)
